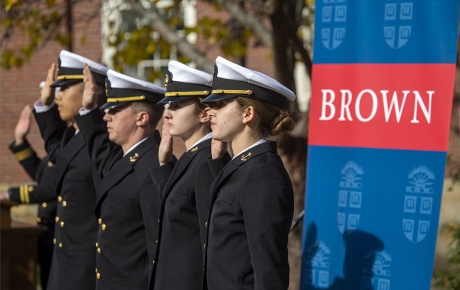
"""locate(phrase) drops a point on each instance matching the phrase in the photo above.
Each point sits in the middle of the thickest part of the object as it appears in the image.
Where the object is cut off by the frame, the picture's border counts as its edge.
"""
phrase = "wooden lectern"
(18, 251)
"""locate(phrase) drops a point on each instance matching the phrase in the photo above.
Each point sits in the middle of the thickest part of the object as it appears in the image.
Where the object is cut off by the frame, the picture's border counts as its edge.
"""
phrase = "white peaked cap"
(233, 71)
(70, 69)
(183, 73)
(73, 60)
(232, 80)
(123, 89)
(122, 81)
(183, 83)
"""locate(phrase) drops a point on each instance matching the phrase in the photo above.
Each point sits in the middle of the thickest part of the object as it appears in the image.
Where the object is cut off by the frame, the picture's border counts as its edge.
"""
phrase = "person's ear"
(204, 116)
(142, 118)
(249, 114)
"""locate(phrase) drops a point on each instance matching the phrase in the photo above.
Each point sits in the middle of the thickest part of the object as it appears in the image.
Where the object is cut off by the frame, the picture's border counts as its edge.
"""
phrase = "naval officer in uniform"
(41, 171)
(252, 196)
(76, 224)
(185, 198)
(124, 150)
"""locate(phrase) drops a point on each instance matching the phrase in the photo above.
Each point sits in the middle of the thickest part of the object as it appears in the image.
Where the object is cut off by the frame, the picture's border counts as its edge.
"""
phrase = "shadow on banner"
(360, 254)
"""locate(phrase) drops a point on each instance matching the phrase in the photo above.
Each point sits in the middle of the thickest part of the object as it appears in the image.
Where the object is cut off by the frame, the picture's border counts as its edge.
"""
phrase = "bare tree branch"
(251, 22)
(169, 34)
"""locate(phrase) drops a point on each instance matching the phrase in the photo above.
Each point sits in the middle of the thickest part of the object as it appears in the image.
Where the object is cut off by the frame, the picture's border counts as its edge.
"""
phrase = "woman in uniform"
(252, 196)
(185, 196)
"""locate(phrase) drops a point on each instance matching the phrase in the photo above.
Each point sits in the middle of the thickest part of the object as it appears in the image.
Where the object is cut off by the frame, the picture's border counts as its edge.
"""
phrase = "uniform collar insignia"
(194, 149)
(134, 157)
(245, 157)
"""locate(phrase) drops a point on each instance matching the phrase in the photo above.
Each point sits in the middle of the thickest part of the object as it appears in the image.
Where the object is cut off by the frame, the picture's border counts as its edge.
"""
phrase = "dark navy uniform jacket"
(185, 204)
(128, 207)
(39, 170)
(252, 207)
(76, 224)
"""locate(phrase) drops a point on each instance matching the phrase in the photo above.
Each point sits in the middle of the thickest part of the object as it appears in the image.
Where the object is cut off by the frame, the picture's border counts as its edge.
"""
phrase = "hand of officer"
(166, 145)
(218, 148)
(89, 100)
(22, 126)
(4, 195)
(47, 93)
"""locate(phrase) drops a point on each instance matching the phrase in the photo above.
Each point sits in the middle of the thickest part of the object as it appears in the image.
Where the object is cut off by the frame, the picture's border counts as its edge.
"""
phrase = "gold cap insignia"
(134, 157)
(166, 80)
(245, 157)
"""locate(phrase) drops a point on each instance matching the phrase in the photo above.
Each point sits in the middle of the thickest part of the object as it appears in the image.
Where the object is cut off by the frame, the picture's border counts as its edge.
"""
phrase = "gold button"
(206, 224)
(103, 227)
(56, 219)
(59, 198)
(98, 276)
(153, 261)
(39, 219)
(97, 245)
(158, 220)
(54, 241)
(96, 270)
(44, 204)
(60, 245)
(204, 246)
(99, 251)
(64, 203)
(156, 242)
(62, 224)
(99, 220)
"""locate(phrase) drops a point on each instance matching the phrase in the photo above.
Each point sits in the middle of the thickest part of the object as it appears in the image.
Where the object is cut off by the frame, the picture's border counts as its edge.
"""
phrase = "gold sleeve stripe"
(24, 154)
(70, 77)
(185, 94)
(233, 92)
(126, 99)
(24, 194)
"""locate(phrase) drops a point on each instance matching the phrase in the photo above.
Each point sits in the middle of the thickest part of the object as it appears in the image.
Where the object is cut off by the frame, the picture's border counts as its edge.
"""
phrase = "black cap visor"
(65, 83)
(111, 105)
(168, 100)
(217, 97)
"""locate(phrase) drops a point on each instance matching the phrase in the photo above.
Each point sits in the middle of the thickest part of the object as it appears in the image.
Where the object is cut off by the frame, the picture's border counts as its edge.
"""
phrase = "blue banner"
(383, 79)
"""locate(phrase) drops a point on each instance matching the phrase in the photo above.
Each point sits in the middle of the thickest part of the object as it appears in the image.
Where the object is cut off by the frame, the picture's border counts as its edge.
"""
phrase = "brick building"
(20, 86)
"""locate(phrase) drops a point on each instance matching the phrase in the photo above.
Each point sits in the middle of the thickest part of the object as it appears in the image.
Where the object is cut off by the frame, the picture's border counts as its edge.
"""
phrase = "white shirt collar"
(208, 136)
(253, 145)
(134, 146)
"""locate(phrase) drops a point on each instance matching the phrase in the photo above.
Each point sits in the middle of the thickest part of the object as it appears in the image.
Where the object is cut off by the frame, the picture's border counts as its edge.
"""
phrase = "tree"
(41, 22)
(449, 278)
(277, 24)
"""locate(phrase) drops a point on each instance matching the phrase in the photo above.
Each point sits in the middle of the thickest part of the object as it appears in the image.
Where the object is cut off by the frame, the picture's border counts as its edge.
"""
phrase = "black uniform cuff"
(23, 151)
(21, 193)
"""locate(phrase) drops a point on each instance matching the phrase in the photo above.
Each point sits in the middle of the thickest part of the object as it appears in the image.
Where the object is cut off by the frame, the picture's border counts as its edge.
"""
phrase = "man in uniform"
(124, 151)
(40, 170)
(75, 182)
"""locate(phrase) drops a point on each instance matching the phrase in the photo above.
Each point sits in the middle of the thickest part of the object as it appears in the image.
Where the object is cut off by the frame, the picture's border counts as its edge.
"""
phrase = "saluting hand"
(47, 93)
(218, 148)
(89, 100)
(4, 195)
(23, 126)
(166, 145)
